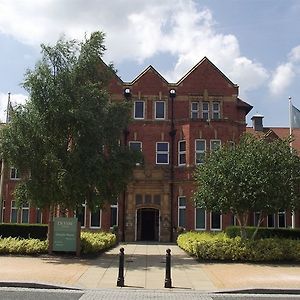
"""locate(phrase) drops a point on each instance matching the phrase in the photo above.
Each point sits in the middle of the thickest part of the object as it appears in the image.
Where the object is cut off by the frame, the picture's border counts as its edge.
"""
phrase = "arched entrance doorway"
(148, 224)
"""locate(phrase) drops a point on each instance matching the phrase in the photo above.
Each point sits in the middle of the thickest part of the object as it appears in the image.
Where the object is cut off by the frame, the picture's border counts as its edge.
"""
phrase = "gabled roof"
(199, 64)
(147, 70)
(108, 67)
(284, 133)
(279, 132)
(244, 105)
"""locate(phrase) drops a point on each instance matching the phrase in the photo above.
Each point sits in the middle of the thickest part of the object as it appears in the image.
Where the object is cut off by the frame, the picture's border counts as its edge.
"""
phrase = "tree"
(66, 139)
(256, 175)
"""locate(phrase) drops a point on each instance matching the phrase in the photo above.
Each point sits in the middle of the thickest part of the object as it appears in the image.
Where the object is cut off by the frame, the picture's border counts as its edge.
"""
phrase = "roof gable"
(206, 76)
(149, 81)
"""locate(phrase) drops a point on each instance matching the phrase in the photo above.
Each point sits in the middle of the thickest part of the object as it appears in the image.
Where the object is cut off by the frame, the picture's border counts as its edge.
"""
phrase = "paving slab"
(145, 269)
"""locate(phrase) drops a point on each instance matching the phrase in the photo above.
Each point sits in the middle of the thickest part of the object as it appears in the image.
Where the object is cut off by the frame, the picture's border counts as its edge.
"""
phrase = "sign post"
(65, 235)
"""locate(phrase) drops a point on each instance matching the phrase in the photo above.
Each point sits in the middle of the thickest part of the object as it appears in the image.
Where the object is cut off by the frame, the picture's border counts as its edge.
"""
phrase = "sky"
(255, 43)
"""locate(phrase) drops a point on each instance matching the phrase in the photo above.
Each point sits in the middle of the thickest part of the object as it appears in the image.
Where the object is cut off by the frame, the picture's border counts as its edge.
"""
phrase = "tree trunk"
(242, 220)
(260, 220)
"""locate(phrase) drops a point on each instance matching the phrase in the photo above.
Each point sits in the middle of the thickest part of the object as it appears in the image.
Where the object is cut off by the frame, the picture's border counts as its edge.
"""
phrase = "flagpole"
(290, 118)
(291, 147)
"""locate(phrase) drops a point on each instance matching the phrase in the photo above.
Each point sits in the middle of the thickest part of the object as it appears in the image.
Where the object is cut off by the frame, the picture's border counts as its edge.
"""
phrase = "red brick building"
(173, 124)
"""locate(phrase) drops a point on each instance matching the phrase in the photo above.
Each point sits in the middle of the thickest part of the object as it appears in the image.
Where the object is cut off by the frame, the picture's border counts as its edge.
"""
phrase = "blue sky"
(256, 43)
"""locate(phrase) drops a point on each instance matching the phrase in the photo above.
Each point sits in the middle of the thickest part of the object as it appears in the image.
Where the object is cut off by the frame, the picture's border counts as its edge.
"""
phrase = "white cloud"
(136, 30)
(282, 78)
(294, 55)
(14, 98)
(285, 74)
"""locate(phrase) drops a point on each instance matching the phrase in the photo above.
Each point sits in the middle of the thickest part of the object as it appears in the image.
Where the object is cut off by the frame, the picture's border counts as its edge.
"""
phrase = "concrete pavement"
(145, 269)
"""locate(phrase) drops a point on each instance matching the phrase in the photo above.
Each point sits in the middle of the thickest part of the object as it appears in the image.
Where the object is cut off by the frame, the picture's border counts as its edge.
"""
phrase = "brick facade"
(172, 130)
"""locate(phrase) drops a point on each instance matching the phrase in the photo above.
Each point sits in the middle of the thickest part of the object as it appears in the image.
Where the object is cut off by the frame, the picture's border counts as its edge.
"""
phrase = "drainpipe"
(127, 94)
(172, 133)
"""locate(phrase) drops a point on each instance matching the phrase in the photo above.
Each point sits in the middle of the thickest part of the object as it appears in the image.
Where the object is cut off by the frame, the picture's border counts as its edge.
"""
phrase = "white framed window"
(271, 221)
(181, 211)
(215, 145)
(139, 110)
(25, 213)
(281, 219)
(181, 153)
(205, 110)
(216, 110)
(160, 110)
(95, 218)
(200, 149)
(14, 174)
(135, 146)
(162, 153)
(114, 214)
(215, 220)
(13, 212)
(38, 216)
(194, 110)
(81, 215)
(200, 219)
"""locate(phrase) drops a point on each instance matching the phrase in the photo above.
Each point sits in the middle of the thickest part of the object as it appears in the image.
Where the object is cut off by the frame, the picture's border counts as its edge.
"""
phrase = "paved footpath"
(145, 269)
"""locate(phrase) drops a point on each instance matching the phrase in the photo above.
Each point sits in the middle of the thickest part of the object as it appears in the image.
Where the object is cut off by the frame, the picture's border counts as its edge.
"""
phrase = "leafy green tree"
(66, 139)
(256, 175)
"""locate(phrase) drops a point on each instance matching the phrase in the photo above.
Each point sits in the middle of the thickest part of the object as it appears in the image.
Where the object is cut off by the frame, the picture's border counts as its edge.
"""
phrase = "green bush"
(12, 245)
(24, 231)
(91, 243)
(95, 242)
(264, 232)
(207, 246)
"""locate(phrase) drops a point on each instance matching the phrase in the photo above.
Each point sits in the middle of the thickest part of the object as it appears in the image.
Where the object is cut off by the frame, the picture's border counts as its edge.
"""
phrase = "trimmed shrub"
(96, 242)
(206, 246)
(13, 245)
(24, 231)
(264, 232)
(91, 243)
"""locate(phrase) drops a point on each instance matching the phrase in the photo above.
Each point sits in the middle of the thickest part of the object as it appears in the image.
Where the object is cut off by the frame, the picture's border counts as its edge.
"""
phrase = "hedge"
(264, 232)
(96, 242)
(91, 243)
(207, 246)
(24, 231)
(13, 245)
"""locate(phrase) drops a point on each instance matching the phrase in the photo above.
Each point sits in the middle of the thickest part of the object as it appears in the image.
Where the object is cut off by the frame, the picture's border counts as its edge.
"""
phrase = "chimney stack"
(257, 122)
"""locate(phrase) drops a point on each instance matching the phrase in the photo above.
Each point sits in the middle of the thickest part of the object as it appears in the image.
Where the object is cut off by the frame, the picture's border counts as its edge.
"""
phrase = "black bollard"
(168, 280)
(120, 281)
